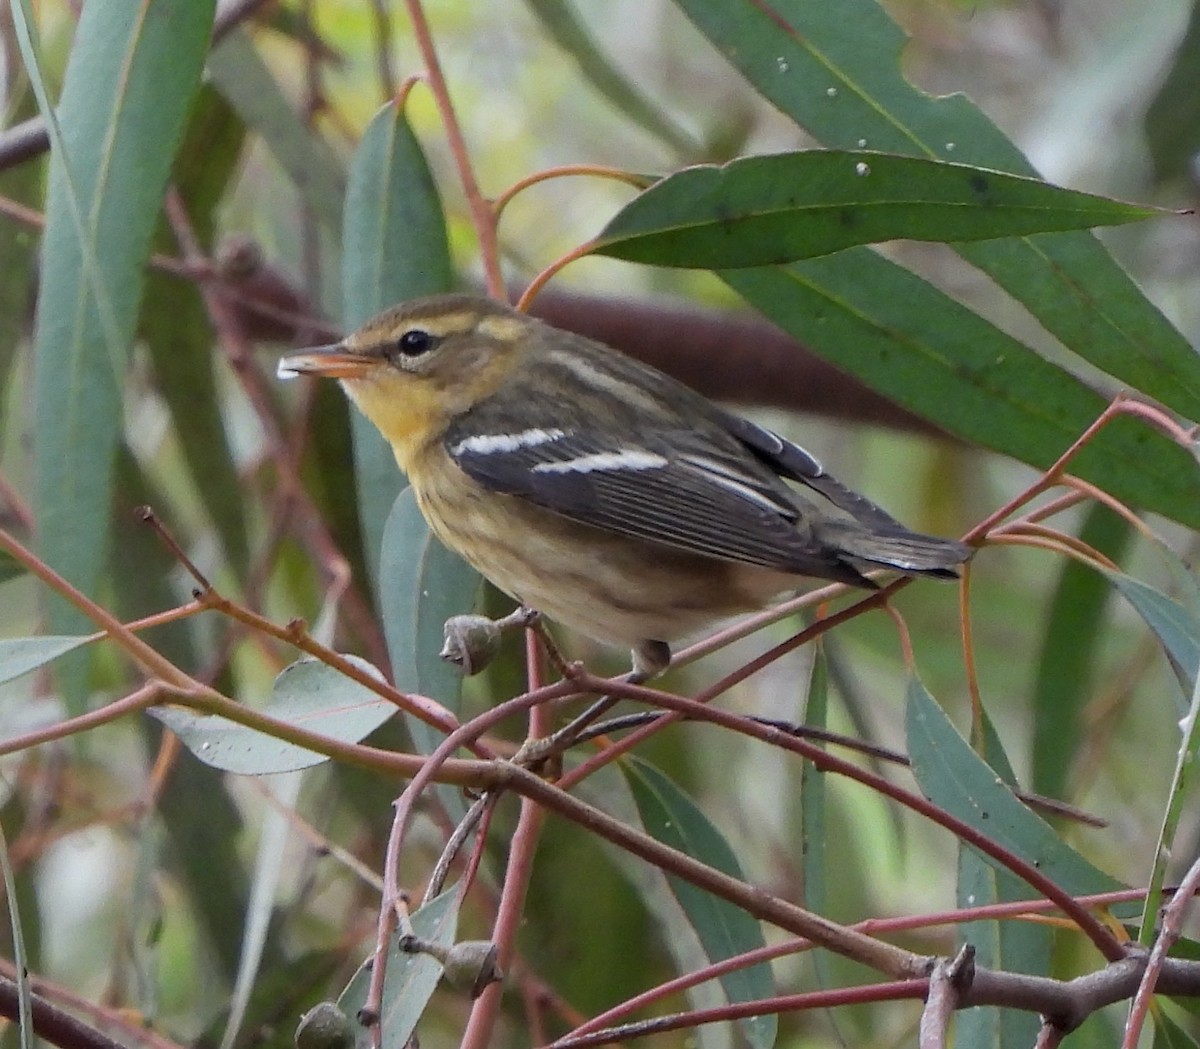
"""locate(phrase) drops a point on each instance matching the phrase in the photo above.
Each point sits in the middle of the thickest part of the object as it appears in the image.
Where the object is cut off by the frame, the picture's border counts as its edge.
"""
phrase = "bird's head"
(413, 368)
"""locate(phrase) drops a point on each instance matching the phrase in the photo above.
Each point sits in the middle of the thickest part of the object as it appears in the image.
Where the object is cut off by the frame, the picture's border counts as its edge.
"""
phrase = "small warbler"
(596, 489)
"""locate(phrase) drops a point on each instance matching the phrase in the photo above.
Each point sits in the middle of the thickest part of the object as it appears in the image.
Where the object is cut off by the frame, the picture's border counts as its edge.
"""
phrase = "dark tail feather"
(896, 548)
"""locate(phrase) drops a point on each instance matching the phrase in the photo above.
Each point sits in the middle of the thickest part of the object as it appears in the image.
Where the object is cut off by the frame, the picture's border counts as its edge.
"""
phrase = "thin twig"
(482, 216)
(1172, 929)
(946, 984)
(1095, 930)
(383, 48)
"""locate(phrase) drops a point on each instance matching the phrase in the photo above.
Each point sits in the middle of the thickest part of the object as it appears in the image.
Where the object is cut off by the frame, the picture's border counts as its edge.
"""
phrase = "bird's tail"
(895, 548)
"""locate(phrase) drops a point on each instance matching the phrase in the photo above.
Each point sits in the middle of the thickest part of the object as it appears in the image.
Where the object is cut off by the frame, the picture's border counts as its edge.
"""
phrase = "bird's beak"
(328, 362)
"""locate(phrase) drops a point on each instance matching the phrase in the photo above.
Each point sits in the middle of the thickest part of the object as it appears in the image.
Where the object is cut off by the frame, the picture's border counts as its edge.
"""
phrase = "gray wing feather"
(670, 487)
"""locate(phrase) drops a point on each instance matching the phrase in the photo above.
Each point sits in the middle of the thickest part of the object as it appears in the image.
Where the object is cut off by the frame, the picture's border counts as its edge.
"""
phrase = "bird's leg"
(649, 659)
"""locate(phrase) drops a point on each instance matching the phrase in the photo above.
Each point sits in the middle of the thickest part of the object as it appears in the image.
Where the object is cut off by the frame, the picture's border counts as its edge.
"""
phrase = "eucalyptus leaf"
(954, 777)
(410, 979)
(724, 930)
(1175, 625)
(129, 84)
(241, 75)
(20, 655)
(394, 248)
(927, 352)
(422, 584)
(308, 694)
(765, 210)
(837, 71)
(562, 22)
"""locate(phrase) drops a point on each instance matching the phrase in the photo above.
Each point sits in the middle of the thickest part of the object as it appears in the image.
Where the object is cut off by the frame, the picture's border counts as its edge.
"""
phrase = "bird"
(596, 489)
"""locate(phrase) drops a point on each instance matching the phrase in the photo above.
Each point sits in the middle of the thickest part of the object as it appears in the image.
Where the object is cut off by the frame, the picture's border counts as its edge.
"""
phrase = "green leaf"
(242, 76)
(395, 248)
(423, 584)
(129, 83)
(18, 242)
(20, 655)
(307, 694)
(410, 979)
(1005, 946)
(813, 796)
(201, 843)
(1175, 625)
(561, 21)
(177, 331)
(1170, 1035)
(953, 776)
(10, 567)
(836, 70)
(724, 930)
(1186, 949)
(1068, 660)
(919, 347)
(1178, 630)
(1010, 946)
(765, 210)
(1173, 117)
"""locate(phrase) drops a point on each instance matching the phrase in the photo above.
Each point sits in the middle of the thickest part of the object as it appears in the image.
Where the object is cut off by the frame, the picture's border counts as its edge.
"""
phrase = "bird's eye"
(415, 342)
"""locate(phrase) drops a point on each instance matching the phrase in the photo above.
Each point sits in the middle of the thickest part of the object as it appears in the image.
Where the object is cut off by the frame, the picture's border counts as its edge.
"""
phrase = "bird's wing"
(790, 460)
(671, 486)
(871, 535)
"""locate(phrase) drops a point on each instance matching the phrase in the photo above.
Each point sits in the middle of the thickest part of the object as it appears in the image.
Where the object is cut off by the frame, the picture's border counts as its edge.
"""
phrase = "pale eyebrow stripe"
(489, 443)
(628, 392)
(629, 459)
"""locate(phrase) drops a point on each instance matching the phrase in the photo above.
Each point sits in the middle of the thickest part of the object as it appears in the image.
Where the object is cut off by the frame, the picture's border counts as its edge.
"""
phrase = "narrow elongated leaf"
(176, 328)
(307, 694)
(813, 796)
(763, 210)
(1007, 946)
(243, 78)
(724, 930)
(20, 655)
(178, 333)
(560, 19)
(130, 79)
(916, 345)
(395, 248)
(269, 870)
(1168, 1034)
(201, 845)
(410, 979)
(10, 567)
(836, 70)
(953, 776)
(18, 243)
(1176, 626)
(1068, 662)
(423, 584)
(1173, 117)
(1004, 946)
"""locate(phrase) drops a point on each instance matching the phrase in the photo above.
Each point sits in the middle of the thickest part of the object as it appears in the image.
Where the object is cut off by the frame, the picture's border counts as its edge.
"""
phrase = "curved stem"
(565, 171)
(543, 278)
(149, 659)
(481, 211)
(1089, 925)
